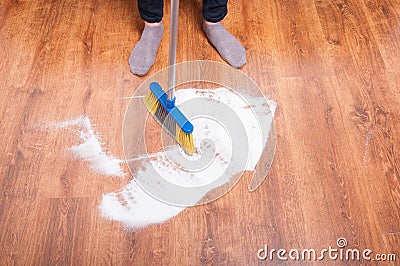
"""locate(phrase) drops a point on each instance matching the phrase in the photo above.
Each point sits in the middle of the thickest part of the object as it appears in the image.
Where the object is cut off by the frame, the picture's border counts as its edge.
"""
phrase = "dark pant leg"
(151, 10)
(214, 10)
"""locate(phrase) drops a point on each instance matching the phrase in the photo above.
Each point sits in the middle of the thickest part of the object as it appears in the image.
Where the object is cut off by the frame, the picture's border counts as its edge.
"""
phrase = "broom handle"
(173, 39)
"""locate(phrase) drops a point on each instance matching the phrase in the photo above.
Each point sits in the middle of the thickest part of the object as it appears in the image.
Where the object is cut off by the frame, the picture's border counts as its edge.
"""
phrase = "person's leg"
(226, 44)
(214, 10)
(151, 11)
(144, 53)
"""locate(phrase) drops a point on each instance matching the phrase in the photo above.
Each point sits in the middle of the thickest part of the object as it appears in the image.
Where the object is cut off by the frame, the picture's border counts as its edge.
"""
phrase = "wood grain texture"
(332, 66)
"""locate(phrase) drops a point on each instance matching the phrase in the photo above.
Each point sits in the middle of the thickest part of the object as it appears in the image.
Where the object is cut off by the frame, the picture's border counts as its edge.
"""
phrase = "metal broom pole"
(173, 39)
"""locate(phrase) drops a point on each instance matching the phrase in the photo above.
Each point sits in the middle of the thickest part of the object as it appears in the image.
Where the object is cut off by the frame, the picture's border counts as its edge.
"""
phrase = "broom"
(161, 104)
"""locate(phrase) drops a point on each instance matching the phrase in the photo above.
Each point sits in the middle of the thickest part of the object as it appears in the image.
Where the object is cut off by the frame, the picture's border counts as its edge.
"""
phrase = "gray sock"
(144, 53)
(226, 44)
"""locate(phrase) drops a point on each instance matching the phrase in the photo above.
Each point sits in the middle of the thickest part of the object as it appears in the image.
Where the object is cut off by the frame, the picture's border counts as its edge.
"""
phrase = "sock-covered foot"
(226, 44)
(144, 53)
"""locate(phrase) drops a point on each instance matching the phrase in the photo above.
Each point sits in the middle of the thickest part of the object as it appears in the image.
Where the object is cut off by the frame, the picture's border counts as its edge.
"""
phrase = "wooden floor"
(332, 67)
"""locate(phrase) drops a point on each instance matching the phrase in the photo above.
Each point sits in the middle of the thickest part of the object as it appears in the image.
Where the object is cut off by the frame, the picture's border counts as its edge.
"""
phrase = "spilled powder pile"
(132, 205)
(135, 208)
(90, 148)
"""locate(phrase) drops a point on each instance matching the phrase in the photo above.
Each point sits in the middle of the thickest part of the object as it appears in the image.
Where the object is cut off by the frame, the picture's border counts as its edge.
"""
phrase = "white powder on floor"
(135, 208)
(247, 112)
(90, 148)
